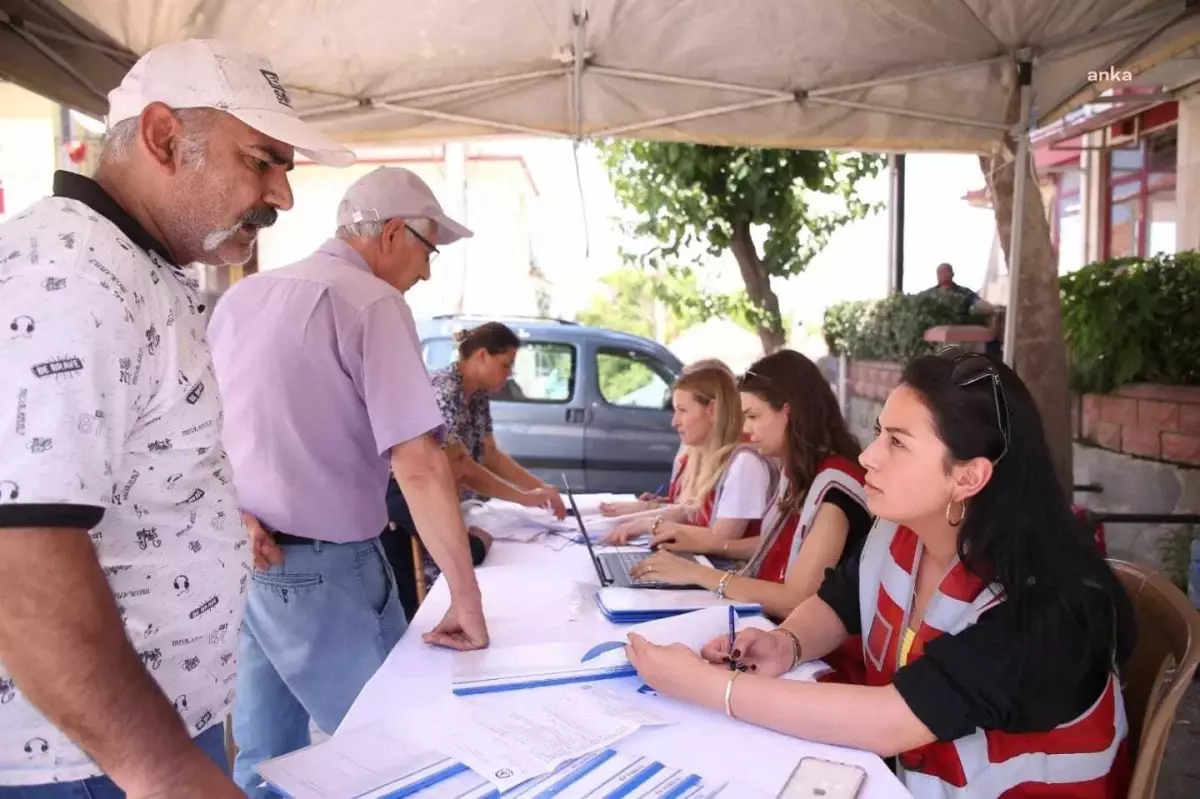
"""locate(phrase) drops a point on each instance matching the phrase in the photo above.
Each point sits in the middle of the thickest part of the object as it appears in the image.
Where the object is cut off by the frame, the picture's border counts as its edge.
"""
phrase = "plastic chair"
(1160, 670)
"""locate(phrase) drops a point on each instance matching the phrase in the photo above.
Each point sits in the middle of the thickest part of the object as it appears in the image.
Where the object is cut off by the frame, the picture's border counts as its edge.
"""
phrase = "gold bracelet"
(795, 646)
(729, 695)
(654, 527)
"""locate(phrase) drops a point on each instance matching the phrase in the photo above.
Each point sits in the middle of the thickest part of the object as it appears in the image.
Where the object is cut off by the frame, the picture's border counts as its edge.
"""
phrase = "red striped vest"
(780, 553)
(1086, 758)
(703, 516)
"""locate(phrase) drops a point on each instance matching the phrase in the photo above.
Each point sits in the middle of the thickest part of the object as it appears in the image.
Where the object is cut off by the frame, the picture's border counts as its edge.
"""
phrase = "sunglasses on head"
(750, 376)
(968, 369)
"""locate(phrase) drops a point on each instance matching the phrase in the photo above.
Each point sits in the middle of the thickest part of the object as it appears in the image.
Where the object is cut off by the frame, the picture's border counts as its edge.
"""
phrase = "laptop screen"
(587, 540)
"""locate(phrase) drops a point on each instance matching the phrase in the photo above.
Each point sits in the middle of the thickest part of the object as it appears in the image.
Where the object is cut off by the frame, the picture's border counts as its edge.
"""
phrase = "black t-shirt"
(859, 517)
(973, 679)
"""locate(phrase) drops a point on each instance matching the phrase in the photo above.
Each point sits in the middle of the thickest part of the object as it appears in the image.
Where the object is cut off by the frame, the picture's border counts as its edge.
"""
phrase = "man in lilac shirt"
(324, 388)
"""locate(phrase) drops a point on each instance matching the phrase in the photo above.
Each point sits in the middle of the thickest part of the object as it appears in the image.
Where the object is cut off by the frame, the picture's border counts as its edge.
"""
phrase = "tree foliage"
(625, 302)
(694, 201)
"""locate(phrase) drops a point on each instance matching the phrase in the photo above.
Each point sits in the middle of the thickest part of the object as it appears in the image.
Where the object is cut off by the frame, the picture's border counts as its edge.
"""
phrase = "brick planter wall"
(1147, 421)
(873, 379)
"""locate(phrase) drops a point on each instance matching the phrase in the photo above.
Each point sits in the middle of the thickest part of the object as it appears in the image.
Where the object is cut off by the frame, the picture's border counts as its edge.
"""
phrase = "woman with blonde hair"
(721, 485)
(650, 500)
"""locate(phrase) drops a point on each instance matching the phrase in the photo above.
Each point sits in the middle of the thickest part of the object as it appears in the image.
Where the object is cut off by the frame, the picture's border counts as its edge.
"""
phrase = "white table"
(534, 593)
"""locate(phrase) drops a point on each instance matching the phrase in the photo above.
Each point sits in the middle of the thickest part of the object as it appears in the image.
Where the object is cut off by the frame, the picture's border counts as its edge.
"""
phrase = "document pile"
(482, 747)
(508, 521)
(508, 668)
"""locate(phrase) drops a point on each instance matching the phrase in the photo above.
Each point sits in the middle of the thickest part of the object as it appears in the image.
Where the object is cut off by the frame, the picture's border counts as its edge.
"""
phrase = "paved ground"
(1180, 777)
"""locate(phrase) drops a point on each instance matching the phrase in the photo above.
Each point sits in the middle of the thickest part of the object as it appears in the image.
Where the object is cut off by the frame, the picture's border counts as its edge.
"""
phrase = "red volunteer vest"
(834, 471)
(703, 516)
(1086, 758)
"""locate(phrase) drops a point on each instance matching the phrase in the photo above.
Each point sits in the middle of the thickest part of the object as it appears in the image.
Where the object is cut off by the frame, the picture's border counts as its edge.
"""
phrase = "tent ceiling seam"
(16, 26)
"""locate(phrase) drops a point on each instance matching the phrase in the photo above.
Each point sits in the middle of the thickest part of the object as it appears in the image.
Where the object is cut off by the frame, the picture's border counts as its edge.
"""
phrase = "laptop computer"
(613, 567)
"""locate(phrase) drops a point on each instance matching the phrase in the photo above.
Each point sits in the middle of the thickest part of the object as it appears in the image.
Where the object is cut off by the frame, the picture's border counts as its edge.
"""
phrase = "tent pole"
(897, 175)
(1020, 180)
(580, 19)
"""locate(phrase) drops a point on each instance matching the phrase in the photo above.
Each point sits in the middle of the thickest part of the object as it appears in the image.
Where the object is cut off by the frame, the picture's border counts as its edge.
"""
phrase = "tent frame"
(576, 61)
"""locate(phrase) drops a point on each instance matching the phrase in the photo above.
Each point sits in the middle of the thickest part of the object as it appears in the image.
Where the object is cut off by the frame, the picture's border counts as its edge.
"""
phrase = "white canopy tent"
(878, 75)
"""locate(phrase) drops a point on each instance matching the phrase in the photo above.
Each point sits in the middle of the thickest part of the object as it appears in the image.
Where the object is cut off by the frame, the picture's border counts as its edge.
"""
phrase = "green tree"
(697, 200)
(625, 302)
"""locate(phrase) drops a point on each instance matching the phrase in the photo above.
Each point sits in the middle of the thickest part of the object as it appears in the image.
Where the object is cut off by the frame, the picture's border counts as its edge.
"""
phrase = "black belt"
(288, 538)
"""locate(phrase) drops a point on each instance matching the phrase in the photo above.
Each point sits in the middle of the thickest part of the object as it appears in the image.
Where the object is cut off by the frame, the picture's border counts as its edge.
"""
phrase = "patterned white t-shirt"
(110, 420)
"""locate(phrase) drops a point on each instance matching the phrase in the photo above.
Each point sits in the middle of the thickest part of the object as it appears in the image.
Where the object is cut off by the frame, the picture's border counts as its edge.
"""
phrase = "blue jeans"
(212, 741)
(316, 629)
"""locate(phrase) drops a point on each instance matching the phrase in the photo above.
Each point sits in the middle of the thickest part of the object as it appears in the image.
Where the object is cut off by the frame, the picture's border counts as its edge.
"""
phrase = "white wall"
(28, 147)
(496, 208)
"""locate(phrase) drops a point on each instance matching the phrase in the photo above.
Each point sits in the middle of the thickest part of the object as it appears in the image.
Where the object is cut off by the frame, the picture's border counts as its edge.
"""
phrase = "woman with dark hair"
(817, 516)
(484, 367)
(992, 629)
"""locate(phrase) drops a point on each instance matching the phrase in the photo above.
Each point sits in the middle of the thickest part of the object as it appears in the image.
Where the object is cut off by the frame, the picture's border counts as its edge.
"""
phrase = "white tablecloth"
(544, 592)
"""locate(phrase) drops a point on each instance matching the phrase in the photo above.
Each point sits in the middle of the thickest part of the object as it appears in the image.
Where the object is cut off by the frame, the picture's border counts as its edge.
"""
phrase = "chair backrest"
(1160, 670)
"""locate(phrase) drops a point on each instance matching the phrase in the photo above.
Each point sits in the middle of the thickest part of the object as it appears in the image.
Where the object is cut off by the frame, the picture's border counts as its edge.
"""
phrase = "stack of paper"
(507, 668)
(630, 605)
(505, 742)
(607, 774)
(506, 521)
(357, 764)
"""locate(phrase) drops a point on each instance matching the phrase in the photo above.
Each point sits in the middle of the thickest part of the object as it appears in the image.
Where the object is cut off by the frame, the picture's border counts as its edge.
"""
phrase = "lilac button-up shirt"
(319, 367)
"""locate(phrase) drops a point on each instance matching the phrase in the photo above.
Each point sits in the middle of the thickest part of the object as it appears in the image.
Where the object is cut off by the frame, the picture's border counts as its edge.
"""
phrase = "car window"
(631, 379)
(543, 372)
(439, 353)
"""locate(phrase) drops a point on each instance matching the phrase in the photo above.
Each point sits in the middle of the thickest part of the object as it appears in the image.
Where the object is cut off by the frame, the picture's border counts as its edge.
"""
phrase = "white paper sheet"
(510, 737)
(460, 786)
(531, 663)
(353, 764)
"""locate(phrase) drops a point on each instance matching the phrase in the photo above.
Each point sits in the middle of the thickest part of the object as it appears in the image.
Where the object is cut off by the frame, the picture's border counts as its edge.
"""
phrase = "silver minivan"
(594, 404)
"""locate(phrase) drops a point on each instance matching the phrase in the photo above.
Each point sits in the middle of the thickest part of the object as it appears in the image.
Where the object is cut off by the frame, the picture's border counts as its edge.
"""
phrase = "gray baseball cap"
(393, 193)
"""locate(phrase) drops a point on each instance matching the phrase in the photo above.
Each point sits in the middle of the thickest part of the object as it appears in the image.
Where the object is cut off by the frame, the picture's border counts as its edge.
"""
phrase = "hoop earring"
(961, 516)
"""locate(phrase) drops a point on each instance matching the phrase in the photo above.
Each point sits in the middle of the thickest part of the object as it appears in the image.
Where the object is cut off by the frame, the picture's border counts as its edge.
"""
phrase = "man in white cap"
(123, 562)
(320, 370)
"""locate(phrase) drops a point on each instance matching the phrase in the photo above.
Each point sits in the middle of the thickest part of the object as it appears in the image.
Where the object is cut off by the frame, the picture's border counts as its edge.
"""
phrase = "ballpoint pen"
(733, 664)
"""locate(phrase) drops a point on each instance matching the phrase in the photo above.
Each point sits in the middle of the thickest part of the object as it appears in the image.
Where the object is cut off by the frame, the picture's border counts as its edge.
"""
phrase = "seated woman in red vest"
(650, 500)
(992, 629)
(818, 514)
(722, 485)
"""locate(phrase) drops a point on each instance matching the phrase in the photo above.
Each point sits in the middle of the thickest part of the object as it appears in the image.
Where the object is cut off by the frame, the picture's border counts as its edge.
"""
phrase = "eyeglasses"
(433, 250)
(968, 369)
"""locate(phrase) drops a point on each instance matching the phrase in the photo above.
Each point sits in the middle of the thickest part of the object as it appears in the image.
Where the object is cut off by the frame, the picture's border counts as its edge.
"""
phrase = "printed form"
(355, 764)
(510, 737)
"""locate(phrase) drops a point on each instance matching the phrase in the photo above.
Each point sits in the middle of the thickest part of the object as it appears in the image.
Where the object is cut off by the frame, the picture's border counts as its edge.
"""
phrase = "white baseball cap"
(393, 193)
(206, 73)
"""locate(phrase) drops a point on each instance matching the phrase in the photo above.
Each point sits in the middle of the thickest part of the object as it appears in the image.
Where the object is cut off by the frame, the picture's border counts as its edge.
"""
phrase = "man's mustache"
(258, 217)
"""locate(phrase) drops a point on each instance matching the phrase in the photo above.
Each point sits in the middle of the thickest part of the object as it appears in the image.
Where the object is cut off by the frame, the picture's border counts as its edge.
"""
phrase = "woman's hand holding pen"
(761, 652)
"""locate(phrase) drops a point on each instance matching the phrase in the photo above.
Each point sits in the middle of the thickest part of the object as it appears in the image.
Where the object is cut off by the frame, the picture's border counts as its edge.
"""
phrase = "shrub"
(891, 329)
(1133, 320)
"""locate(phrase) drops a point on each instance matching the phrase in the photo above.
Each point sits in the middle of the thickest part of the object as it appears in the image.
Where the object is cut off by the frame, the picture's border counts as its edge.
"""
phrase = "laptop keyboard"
(630, 559)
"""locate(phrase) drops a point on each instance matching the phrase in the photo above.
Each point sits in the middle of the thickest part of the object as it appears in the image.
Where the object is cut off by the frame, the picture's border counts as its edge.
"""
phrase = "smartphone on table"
(815, 778)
